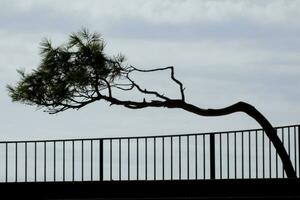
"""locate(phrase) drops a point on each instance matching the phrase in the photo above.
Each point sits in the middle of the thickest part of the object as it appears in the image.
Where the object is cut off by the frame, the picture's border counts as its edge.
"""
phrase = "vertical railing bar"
(289, 140)
(212, 156)
(220, 144)
(25, 161)
(64, 160)
(228, 172)
(235, 164)
(204, 174)
(92, 160)
(282, 136)
(196, 157)
(179, 143)
(45, 160)
(6, 162)
(73, 161)
(82, 160)
(163, 158)
(263, 152)
(101, 159)
(276, 159)
(54, 161)
(120, 160)
(171, 157)
(295, 149)
(146, 158)
(249, 140)
(299, 150)
(188, 157)
(128, 161)
(16, 178)
(242, 135)
(256, 155)
(270, 160)
(110, 160)
(154, 158)
(137, 158)
(35, 162)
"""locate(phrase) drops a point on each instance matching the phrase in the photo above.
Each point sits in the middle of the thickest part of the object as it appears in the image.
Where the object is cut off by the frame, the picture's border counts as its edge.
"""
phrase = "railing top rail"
(144, 137)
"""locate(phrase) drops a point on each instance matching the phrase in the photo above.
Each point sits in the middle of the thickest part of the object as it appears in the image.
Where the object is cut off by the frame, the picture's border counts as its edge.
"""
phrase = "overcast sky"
(223, 52)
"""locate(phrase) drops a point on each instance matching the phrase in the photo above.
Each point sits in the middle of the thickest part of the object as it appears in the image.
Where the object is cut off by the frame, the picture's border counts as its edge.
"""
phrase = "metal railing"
(243, 154)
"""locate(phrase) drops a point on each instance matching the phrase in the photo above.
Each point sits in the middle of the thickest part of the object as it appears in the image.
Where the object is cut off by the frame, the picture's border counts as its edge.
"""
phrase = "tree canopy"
(78, 73)
(70, 75)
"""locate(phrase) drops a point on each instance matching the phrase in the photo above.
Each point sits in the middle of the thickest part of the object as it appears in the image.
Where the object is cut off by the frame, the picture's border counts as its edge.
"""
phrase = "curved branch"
(252, 112)
(146, 91)
(162, 69)
(238, 107)
(121, 87)
(108, 87)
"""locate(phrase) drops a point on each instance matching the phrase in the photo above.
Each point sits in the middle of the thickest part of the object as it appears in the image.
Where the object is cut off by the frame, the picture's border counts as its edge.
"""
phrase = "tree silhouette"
(78, 73)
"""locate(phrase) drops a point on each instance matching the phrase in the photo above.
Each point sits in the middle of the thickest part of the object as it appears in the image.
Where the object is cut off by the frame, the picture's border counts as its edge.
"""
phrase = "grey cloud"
(236, 21)
(220, 61)
(36, 21)
(269, 36)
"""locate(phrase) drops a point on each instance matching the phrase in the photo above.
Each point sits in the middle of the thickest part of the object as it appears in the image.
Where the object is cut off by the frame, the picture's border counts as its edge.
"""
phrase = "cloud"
(179, 11)
(271, 24)
(223, 51)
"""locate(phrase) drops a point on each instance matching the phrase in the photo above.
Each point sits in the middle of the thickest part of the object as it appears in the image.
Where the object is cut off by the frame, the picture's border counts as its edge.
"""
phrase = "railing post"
(299, 149)
(212, 156)
(101, 159)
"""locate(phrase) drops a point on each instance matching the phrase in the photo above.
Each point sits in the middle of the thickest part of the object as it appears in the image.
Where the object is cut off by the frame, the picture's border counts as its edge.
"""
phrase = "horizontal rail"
(148, 136)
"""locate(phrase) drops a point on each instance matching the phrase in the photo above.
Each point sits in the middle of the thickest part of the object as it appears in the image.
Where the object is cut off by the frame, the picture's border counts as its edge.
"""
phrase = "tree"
(78, 73)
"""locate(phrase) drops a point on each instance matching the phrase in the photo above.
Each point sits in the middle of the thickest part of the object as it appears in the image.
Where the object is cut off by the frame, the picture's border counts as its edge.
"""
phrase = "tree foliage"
(69, 75)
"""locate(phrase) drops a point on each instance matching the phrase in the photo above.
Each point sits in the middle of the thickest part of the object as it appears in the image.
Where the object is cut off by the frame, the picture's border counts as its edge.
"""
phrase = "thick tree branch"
(133, 104)
(252, 112)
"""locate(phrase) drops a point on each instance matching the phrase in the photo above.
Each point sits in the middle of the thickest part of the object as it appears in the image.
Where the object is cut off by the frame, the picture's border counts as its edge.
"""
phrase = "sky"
(223, 52)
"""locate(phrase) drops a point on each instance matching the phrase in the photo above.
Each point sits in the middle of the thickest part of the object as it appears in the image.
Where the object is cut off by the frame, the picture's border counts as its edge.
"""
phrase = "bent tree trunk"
(256, 115)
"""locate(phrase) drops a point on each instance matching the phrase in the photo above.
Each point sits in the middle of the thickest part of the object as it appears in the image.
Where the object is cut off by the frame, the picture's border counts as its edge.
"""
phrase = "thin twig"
(162, 69)
(146, 91)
